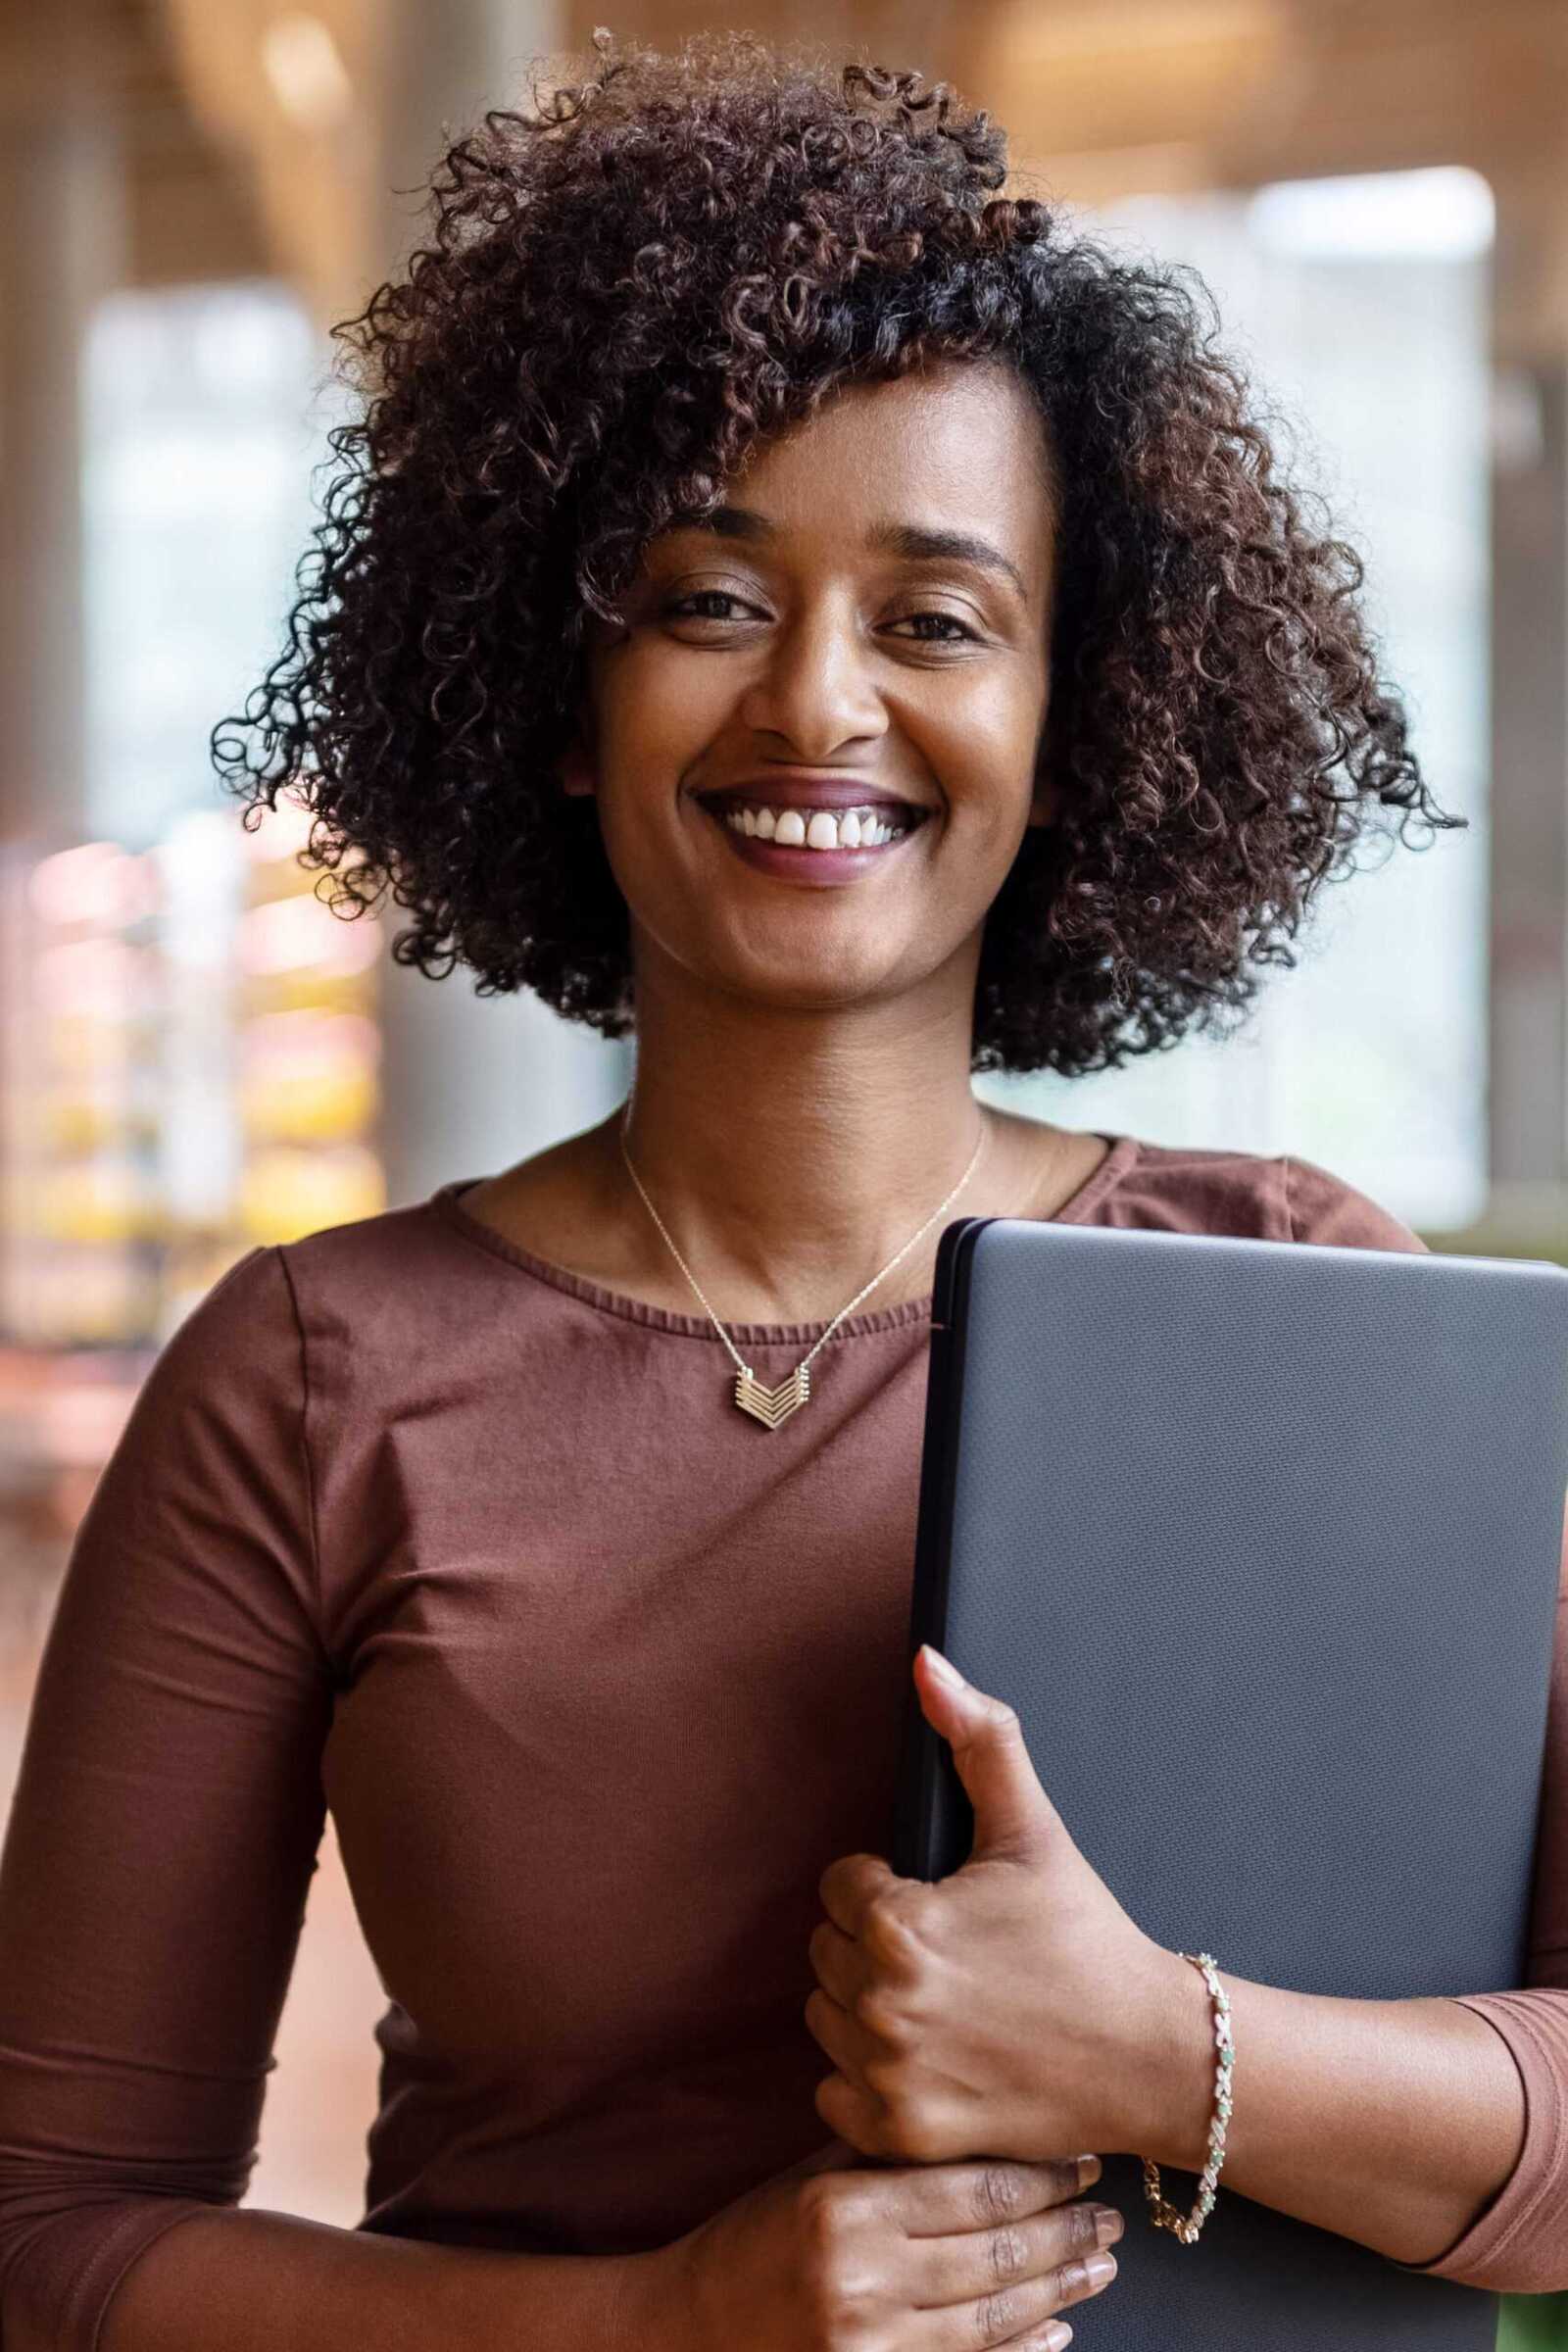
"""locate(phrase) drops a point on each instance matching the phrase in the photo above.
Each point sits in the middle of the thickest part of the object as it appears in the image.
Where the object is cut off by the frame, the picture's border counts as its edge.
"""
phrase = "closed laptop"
(1262, 1542)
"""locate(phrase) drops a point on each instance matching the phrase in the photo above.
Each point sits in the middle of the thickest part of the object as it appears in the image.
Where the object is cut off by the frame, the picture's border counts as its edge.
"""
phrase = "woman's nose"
(815, 688)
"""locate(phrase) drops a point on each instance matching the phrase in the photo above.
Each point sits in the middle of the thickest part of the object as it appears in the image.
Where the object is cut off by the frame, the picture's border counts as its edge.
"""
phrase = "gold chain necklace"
(770, 1406)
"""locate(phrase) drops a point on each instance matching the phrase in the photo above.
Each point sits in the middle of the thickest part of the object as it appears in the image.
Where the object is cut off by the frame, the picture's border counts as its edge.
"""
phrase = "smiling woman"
(622, 299)
(826, 641)
(787, 599)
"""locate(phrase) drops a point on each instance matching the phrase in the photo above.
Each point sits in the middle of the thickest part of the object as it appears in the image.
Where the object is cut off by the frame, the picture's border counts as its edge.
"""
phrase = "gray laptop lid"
(1262, 1539)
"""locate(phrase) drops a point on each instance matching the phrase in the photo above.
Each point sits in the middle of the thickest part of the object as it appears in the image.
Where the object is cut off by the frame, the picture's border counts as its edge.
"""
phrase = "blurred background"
(195, 1056)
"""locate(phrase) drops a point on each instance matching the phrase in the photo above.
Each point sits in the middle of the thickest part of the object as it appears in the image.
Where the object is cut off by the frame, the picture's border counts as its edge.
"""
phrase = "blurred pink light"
(311, 1036)
(97, 882)
(103, 976)
(288, 934)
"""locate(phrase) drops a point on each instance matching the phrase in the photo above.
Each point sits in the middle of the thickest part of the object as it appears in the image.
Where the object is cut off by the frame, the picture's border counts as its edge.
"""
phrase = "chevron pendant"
(770, 1406)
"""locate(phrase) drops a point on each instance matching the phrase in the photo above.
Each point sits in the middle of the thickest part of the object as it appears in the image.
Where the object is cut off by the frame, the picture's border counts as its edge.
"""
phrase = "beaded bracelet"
(1162, 2214)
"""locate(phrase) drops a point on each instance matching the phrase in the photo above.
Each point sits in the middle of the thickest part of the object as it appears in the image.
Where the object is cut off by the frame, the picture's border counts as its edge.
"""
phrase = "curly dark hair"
(629, 283)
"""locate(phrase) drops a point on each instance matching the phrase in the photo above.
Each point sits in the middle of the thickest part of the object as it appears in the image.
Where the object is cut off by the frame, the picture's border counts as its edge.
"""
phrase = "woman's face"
(867, 619)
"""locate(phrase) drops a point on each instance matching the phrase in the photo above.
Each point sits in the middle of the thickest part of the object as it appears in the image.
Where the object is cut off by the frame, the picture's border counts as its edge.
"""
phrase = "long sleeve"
(1519, 2243)
(166, 1818)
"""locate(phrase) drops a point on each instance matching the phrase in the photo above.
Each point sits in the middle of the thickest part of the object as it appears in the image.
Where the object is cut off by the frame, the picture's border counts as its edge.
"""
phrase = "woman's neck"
(575, 1205)
(793, 1156)
(790, 1155)
(780, 1200)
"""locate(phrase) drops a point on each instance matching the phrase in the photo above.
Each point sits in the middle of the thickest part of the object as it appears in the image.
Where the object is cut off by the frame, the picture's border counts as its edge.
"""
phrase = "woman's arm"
(1431, 2130)
(252, 2280)
(1014, 2008)
(165, 1820)
(1393, 2123)
(1435, 2131)
(158, 1854)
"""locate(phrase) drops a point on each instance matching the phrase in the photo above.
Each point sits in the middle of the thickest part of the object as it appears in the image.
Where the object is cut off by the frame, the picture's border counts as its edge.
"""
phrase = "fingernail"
(1109, 2224)
(1059, 2336)
(943, 1668)
(1089, 2169)
(1102, 2269)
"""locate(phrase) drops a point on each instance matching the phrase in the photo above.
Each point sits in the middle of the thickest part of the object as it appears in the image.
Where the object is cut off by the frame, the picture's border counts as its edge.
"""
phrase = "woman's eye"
(683, 608)
(722, 604)
(947, 620)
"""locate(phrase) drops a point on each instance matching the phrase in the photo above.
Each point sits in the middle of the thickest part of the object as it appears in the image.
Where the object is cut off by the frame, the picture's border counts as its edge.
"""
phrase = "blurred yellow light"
(304, 67)
(309, 1106)
(285, 1194)
(98, 1202)
(310, 1034)
(1135, 28)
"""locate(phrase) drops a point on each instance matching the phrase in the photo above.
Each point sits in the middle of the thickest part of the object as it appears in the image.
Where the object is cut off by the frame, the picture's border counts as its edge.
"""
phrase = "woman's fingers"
(975, 2263)
(995, 2288)
(937, 2199)
(997, 2249)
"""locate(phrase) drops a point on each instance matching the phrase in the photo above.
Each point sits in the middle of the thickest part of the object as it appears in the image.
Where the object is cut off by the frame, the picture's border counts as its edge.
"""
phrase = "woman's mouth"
(815, 845)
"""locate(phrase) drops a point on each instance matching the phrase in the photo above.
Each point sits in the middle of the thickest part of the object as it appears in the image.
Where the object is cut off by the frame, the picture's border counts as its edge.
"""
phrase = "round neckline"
(446, 1203)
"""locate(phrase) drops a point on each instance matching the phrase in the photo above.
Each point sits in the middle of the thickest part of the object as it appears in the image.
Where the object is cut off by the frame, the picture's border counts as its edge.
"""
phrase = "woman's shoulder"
(1190, 1188)
(404, 1274)
(386, 1285)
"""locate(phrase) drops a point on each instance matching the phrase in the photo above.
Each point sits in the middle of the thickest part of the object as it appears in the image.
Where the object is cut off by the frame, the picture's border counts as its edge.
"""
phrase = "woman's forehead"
(950, 419)
(952, 466)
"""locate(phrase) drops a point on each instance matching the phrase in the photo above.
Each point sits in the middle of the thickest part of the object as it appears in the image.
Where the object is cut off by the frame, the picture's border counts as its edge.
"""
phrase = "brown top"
(595, 1676)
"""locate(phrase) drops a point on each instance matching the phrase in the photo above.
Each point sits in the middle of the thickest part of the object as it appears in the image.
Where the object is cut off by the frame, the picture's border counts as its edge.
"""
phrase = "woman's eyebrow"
(919, 542)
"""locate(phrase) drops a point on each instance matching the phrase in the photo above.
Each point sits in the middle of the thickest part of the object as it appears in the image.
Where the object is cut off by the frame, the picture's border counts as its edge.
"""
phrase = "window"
(1360, 308)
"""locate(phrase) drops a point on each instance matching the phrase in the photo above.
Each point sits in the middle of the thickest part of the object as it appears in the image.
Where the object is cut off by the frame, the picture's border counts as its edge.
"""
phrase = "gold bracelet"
(1162, 2214)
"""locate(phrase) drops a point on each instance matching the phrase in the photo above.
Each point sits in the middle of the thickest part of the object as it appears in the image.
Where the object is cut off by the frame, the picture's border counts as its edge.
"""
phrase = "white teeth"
(822, 829)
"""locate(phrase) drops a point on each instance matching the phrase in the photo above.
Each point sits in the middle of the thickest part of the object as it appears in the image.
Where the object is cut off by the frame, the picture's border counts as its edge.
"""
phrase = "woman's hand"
(832, 2256)
(1008, 2010)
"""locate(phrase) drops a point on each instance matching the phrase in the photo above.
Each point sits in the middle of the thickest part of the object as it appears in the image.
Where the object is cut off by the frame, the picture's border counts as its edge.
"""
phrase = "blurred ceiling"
(293, 96)
(262, 134)
(108, 65)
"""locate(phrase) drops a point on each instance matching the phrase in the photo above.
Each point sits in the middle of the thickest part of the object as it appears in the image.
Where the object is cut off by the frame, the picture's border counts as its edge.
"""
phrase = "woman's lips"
(791, 865)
